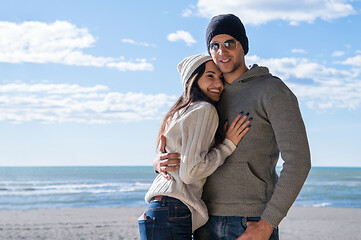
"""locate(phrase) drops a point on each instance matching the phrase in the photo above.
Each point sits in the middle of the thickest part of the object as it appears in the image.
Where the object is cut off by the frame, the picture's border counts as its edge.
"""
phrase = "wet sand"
(121, 223)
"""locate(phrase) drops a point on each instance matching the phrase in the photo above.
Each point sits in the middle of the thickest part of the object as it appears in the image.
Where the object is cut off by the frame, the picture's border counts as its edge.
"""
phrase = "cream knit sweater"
(191, 135)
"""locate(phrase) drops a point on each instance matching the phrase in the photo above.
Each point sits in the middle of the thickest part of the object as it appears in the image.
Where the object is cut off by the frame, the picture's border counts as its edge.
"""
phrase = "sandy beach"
(121, 223)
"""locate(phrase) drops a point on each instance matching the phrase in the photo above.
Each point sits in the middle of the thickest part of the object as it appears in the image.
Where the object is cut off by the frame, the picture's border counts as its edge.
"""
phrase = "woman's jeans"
(166, 219)
(226, 228)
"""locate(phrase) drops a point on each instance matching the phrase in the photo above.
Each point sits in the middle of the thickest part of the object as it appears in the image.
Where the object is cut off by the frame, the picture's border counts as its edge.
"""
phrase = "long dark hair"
(191, 94)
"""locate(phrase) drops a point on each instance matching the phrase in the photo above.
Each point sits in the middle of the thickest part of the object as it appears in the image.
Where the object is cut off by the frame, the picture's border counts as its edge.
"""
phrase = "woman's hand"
(238, 128)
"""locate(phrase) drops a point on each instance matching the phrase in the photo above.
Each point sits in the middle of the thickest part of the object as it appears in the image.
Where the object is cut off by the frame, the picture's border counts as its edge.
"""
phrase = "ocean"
(23, 188)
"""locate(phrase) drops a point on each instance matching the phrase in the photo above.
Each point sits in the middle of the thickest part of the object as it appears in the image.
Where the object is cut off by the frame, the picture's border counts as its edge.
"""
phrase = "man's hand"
(260, 230)
(165, 162)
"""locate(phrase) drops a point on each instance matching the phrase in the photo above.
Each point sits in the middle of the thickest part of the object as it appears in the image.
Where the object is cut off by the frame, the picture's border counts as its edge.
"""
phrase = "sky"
(86, 83)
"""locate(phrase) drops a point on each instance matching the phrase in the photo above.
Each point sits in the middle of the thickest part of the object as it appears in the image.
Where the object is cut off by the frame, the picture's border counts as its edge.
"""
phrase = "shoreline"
(314, 223)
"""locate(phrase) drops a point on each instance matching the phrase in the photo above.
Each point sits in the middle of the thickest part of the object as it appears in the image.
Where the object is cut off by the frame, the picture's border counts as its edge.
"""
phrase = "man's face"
(228, 61)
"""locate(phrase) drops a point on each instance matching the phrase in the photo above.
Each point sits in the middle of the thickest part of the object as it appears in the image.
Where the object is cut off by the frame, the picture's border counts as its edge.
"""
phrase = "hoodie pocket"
(234, 182)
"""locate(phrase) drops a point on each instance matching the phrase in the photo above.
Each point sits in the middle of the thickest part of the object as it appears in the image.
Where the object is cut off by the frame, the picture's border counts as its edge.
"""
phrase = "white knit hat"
(189, 65)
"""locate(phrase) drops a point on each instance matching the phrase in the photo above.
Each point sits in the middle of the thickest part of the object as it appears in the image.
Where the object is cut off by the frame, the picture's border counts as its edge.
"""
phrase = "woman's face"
(211, 82)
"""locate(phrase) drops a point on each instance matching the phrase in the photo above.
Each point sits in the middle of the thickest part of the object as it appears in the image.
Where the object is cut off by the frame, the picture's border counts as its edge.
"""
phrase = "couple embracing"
(219, 146)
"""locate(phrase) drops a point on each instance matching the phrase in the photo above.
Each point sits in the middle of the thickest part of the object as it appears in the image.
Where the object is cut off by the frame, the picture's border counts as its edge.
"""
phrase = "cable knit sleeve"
(198, 128)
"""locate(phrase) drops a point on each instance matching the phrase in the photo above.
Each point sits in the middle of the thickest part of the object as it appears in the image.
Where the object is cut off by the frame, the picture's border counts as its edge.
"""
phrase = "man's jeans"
(226, 228)
(166, 219)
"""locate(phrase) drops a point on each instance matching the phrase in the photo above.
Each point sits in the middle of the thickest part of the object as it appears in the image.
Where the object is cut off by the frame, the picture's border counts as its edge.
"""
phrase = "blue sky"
(87, 82)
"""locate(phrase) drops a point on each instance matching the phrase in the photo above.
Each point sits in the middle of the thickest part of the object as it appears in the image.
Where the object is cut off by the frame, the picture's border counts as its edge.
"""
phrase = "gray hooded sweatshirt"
(247, 184)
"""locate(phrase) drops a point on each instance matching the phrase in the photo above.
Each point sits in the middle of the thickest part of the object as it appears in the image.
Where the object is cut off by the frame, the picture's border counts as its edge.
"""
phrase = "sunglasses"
(230, 44)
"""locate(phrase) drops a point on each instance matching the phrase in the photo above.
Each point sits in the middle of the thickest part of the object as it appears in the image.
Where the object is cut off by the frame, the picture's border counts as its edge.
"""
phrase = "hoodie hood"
(254, 71)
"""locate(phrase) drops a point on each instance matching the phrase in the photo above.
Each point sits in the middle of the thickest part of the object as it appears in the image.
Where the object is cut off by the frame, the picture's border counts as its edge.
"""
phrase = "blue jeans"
(167, 219)
(226, 228)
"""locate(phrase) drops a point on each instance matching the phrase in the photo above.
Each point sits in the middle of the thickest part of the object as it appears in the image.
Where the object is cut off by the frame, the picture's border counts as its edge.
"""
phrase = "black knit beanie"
(227, 24)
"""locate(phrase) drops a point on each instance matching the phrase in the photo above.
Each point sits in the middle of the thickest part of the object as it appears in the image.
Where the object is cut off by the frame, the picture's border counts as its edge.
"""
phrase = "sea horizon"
(39, 187)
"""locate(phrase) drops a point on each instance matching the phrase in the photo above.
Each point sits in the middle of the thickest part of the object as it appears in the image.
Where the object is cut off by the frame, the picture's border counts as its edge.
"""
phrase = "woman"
(175, 207)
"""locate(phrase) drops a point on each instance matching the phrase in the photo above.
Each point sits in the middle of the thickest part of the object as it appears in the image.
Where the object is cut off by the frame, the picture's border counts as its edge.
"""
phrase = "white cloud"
(338, 54)
(258, 12)
(301, 68)
(330, 94)
(181, 36)
(140, 64)
(353, 61)
(131, 41)
(187, 13)
(298, 51)
(319, 87)
(59, 103)
(60, 42)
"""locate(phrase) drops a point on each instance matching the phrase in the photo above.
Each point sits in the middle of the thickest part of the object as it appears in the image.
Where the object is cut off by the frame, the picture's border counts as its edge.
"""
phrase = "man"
(245, 197)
